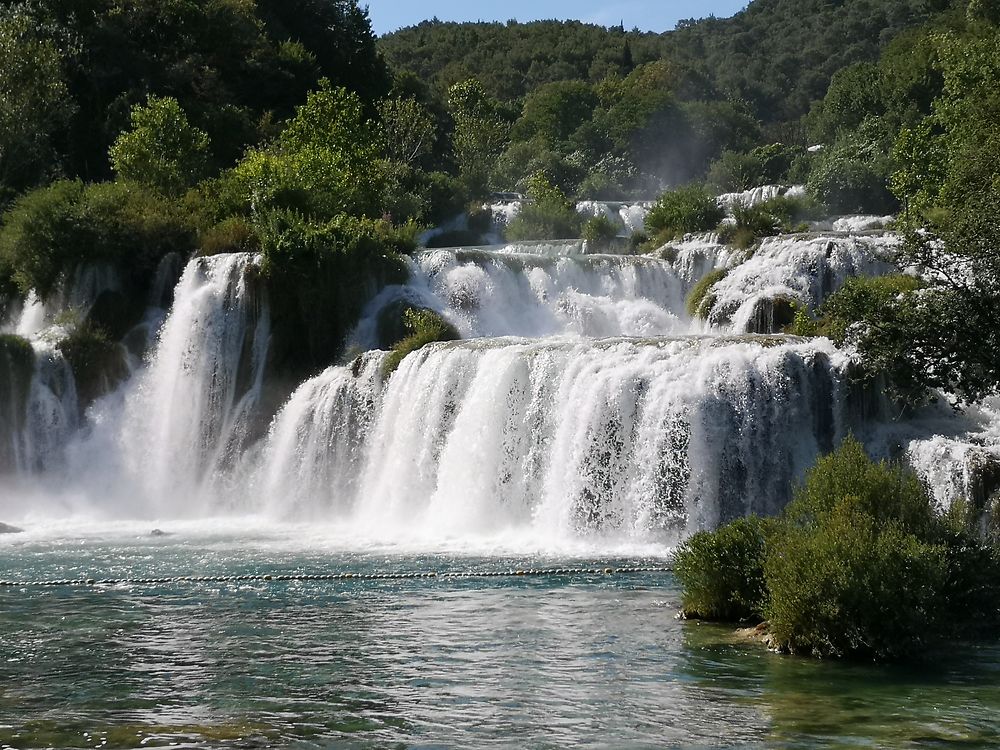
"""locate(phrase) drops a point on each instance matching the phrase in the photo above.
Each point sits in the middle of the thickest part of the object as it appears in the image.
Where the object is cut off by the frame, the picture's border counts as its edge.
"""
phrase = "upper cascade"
(502, 293)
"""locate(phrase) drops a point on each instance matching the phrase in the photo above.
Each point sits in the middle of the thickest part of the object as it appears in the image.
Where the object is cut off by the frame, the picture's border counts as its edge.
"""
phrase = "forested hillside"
(777, 55)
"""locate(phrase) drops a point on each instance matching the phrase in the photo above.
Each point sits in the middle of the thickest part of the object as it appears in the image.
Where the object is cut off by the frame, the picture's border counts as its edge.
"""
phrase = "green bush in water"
(424, 327)
(685, 210)
(722, 572)
(701, 300)
(549, 215)
(600, 230)
(851, 586)
(860, 564)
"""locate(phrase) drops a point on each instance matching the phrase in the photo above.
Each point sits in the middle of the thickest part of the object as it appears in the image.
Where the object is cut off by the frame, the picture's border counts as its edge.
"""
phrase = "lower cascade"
(558, 438)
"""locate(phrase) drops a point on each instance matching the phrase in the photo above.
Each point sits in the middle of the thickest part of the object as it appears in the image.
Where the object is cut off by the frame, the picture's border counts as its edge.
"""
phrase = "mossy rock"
(424, 327)
(701, 300)
(99, 364)
(773, 315)
(391, 326)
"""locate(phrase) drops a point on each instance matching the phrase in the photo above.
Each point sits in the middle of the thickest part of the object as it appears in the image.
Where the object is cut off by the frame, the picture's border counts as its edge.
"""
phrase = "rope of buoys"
(399, 576)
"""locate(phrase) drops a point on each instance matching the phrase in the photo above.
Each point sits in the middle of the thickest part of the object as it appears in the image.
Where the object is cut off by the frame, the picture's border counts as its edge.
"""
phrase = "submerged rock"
(8, 529)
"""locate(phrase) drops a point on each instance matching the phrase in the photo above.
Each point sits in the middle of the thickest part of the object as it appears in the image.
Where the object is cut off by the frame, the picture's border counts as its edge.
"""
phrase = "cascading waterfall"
(556, 439)
(582, 405)
(196, 400)
(805, 270)
(499, 294)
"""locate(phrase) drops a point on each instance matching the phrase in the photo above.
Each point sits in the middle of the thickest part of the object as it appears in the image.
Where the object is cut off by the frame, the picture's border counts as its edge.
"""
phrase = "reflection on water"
(554, 662)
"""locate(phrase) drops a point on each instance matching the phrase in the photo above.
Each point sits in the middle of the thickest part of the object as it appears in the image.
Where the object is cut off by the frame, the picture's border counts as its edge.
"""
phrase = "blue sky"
(648, 15)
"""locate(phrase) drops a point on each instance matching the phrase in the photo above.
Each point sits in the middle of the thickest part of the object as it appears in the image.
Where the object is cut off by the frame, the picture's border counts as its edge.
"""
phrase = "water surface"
(581, 661)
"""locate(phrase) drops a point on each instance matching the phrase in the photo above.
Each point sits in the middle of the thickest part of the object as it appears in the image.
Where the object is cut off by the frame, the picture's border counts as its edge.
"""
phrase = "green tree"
(481, 134)
(408, 128)
(34, 99)
(555, 111)
(322, 163)
(162, 149)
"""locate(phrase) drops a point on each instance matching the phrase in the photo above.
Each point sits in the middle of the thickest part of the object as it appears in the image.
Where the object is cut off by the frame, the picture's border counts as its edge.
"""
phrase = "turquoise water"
(568, 661)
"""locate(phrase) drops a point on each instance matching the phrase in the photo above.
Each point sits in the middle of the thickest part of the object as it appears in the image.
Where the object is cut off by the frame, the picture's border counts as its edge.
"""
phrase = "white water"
(501, 294)
(804, 269)
(758, 195)
(549, 441)
(545, 429)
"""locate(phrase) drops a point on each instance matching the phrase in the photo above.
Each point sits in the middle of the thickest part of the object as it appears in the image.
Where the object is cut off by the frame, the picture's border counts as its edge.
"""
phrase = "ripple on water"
(541, 662)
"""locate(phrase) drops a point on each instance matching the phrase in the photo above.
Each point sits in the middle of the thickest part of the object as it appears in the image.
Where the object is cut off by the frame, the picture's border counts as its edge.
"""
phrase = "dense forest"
(134, 129)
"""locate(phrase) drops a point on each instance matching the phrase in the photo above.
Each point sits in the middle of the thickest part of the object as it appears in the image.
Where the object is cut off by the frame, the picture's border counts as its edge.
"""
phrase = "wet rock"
(158, 532)
(8, 529)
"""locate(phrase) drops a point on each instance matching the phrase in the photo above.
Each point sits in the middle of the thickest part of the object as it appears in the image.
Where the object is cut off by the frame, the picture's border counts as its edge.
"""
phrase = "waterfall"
(582, 406)
(194, 405)
(555, 439)
(38, 407)
(806, 270)
(501, 294)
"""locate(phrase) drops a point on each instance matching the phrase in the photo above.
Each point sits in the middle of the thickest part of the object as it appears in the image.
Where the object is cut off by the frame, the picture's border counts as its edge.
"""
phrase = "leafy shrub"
(886, 493)
(599, 230)
(549, 215)
(852, 175)
(734, 172)
(723, 572)
(765, 165)
(750, 223)
(864, 299)
(233, 235)
(50, 231)
(690, 209)
(701, 300)
(852, 586)
(446, 196)
(859, 564)
(424, 327)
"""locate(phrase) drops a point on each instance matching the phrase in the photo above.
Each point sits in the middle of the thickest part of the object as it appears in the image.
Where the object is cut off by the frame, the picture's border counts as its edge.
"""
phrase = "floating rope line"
(270, 577)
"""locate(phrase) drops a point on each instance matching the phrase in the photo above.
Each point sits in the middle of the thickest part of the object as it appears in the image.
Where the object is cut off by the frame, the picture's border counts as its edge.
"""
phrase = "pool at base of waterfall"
(546, 661)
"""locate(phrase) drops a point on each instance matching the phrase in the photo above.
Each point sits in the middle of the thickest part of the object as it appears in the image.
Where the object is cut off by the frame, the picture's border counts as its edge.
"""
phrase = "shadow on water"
(951, 700)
